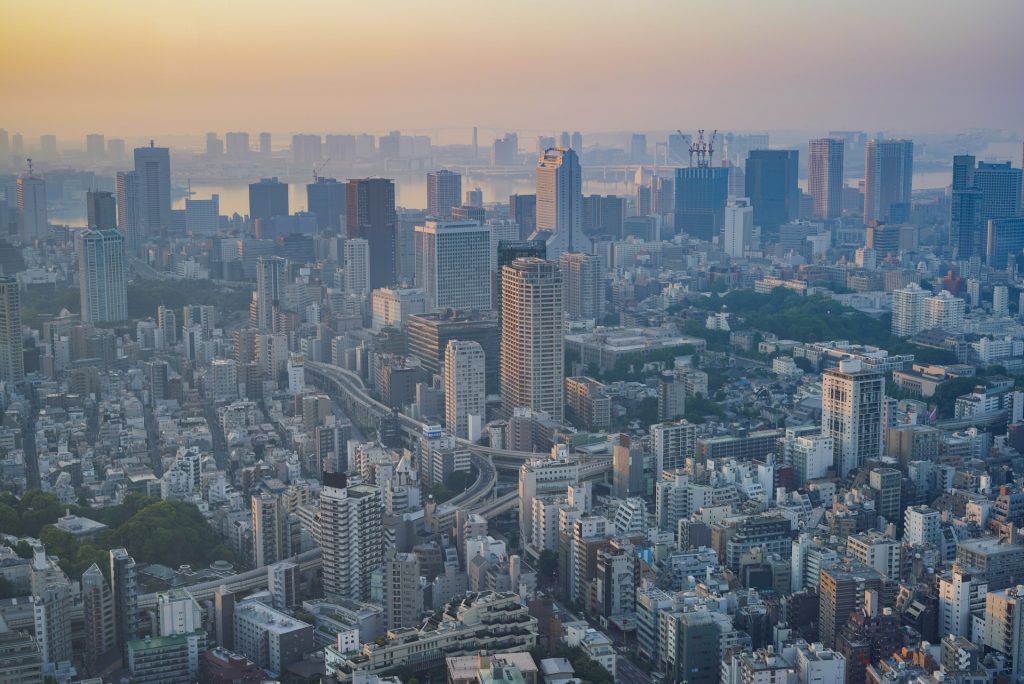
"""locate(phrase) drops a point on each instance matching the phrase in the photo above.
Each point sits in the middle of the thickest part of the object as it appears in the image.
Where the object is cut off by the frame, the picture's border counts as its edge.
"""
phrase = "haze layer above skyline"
(143, 68)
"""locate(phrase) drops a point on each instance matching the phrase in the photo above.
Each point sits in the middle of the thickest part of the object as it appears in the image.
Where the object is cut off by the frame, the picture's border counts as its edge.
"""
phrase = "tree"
(9, 522)
(547, 564)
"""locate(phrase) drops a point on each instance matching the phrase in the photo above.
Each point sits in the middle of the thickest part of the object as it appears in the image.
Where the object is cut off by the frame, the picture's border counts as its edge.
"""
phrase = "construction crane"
(318, 169)
(703, 150)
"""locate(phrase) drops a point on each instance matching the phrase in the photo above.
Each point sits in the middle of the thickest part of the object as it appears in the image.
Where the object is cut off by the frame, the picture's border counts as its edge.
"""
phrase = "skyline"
(367, 68)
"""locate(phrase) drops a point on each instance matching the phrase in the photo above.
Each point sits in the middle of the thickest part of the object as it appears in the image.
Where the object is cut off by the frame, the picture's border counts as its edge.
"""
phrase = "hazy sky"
(132, 67)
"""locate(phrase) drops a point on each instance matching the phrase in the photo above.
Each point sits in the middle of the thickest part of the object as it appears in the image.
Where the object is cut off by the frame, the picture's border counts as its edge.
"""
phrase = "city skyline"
(503, 64)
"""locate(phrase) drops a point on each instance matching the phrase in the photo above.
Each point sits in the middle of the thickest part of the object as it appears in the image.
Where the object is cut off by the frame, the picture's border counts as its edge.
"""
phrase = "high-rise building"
(841, 593)
(505, 150)
(507, 252)
(32, 221)
(168, 324)
(825, 176)
(583, 286)
(270, 282)
(851, 413)
(444, 192)
(523, 210)
(265, 146)
(102, 275)
(672, 443)
(271, 538)
(560, 202)
(370, 207)
(944, 311)
(966, 200)
(12, 358)
(921, 525)
(124, 584)
(403, 597)
(202, 216)
(1004, 241)
(430, 333)
(532, 357)
(214, 145)
(984, 209)
(887, 484)
(101, 209)
(236, 144)
(465, 390)
(98, 611)
(356, 261)
(351, 536)
(129, 210)
(701, 193)
(326, 200)
(453, 264)
(153, 168)
(908, 310)
(1004, 626)
(771, 186)
(694, 655)
(1000, 301)
(267, 199)
(51, 612)
(95, 146)
(738, 231)
(888, 175)
(638, 148)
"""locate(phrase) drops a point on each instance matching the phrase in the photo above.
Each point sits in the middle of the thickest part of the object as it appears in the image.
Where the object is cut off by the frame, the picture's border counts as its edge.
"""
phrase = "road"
(627, 671)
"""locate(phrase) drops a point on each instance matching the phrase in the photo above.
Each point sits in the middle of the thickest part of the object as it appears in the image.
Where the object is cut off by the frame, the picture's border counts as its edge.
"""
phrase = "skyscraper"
(95, 146)
(12, 359)
(738, 232)
(532, 363)
(403, 597)
(356, 260)
(453, 264)
(908, 310)
(465, 393)
(523, 210)
(270, 281)
(129, 210)
(351, 536)
(98, 611)
(560, 202)
(326, 200)
(236, 144)
(267, 199)
(153, 167)
(583, 286)
(888, 175)
(700, 196)
(370, 207)
(851, 413)
(825, 176)
(101, 209)
(771, 186)
(103, 278)
(124, 585)
(444, 191)
(32, 222)
(265, 146)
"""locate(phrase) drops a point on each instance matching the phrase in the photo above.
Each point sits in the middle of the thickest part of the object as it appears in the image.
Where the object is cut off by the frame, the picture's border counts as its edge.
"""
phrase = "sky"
(131, 68)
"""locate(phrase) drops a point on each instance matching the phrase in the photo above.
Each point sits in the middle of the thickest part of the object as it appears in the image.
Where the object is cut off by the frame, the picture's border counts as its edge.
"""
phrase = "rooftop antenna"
(703, 150)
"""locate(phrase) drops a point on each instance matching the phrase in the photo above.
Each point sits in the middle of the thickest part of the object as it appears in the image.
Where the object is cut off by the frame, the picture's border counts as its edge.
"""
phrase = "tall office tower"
(12, 358)
(532, 363)
(214, 145)
(168, 323)
(370, 207)
(576, 142)
(5, 147)
(638, 148)
(95, 146)
(908, 310)
(453, 264)
(48, 146)
(267, 199)
(101, 209)
(429, 334)
(1004, 241)
(1000, 185)
(265, 144)
(236, 144)
(153, 167)
(102, 275)
(509, 251)
(701, 193)
(125, 588)
(523, 210)
(129, 210)
(851, 414)
(583, 286)
(32, 222)
(444, 192)
(888, 175)
(17, 144)
(202, 216)
(326, 200)
(157, 378)
(505, 151)
(1000, 301)
(465, 391)
(115, 149)
(356, 262)
(738, 232)
(307, 149)
(271, 540)
(351, 536)
(403, 597)
(98, 611)
(770, 182)
(825, 176)
(560, 202)
(270, 282)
